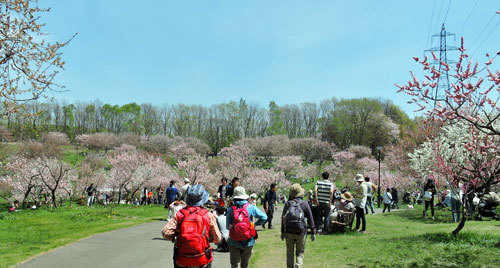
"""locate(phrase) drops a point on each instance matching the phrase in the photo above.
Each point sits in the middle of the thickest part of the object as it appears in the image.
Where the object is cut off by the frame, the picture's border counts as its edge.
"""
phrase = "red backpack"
(192, 245)
(241, 230)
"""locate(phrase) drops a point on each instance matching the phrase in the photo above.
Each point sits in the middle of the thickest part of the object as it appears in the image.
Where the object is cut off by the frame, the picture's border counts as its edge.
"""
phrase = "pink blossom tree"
(196, 169)
(152, 173)
(333, 169)
(127, 138)
(72, 186)
(259, 180)
(22, 176)
(289, 165)
(236, 161)
(308, 171)
(98, 141)
(157, 143)
(471, 97)
(312, 149)
(460, 154)
(132, 170)
(343, 157)
(197, 145)
(55, 138)
(182, 151)
(91, 171)
(54, 175)
(471, 104)
(278, 145)
(124, 165)
(360, 151)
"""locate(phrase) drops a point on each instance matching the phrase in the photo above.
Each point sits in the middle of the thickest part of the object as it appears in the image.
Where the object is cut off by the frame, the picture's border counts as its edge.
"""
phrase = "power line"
(448, 9)
(484, 29)
(439, 15)
(488, 36)
(430, 24)
(468, 17)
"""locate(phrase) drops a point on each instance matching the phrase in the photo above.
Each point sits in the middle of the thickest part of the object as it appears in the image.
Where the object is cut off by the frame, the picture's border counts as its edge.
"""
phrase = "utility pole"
(443, 83)
(379, 158)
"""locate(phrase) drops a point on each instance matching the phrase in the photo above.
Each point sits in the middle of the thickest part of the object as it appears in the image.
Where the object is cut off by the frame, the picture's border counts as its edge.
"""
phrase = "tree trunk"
(54, 201)
(25, 197)
(119, 195)
(460, 226)
(464, 216)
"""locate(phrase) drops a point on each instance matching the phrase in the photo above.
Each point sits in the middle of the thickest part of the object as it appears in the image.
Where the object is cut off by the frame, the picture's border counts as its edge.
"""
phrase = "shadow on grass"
(462, 239)
(417, 216)
(464, 250)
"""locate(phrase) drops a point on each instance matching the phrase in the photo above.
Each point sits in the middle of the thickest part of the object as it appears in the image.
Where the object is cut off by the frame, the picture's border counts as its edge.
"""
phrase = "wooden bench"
(344, 220)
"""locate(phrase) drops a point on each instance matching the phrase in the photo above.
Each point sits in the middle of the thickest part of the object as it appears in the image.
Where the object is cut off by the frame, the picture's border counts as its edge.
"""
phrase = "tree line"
(369, 122)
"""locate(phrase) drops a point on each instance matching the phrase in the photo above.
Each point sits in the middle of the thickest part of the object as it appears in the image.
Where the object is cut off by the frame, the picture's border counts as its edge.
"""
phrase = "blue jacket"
(171, 193)
(253, 212)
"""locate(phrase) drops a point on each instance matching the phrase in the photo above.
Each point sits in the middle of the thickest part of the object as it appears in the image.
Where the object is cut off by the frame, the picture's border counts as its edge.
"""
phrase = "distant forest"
(344, 122)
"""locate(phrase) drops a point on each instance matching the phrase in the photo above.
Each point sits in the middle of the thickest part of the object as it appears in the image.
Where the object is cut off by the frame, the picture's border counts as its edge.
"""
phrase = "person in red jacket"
(186, 227)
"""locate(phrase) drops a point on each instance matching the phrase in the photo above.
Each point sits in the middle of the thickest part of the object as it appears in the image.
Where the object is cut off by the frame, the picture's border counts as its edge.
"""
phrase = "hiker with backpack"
(240, 218)
(294, 226)
(192, 230)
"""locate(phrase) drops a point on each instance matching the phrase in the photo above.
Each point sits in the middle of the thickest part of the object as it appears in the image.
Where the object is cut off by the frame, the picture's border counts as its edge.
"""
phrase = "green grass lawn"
(28, 233)
(396, 239)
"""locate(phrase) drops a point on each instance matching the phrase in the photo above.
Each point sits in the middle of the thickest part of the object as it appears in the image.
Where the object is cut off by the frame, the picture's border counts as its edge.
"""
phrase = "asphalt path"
(138, 246)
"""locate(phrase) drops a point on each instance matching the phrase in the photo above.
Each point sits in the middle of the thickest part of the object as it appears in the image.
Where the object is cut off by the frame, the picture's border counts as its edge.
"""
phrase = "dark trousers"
(427, 204)
(369, 205)
(387, 206)
(323, 210)
(223, 244)
(360, 217)
(270, 213)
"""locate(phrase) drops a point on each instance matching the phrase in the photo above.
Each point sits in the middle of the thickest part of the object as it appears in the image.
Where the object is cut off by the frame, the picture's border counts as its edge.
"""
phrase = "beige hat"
(359, 177)
(296, 190)
(254, 195)
(347, 196)
(239, 193)
(186, 180)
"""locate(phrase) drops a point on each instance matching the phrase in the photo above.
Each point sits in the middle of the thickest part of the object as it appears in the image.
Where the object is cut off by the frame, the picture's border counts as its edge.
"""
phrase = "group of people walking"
(193, 228)
(232, 225)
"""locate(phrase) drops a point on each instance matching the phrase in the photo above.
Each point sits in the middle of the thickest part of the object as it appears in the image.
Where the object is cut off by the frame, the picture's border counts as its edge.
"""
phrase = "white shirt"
(360, 195)
(387, 198)
(177, 208)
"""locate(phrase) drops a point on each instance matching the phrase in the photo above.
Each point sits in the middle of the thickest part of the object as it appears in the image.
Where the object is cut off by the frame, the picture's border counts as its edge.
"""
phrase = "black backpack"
(295, 220)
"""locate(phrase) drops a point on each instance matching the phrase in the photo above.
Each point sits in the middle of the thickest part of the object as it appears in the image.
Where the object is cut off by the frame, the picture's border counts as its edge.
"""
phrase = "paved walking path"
(138, 246)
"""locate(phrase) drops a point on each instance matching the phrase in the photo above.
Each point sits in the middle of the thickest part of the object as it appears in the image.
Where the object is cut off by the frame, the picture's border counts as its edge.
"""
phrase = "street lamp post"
(379, 148)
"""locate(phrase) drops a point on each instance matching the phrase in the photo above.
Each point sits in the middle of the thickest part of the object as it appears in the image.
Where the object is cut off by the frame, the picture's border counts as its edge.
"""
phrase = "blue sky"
(207, 52)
